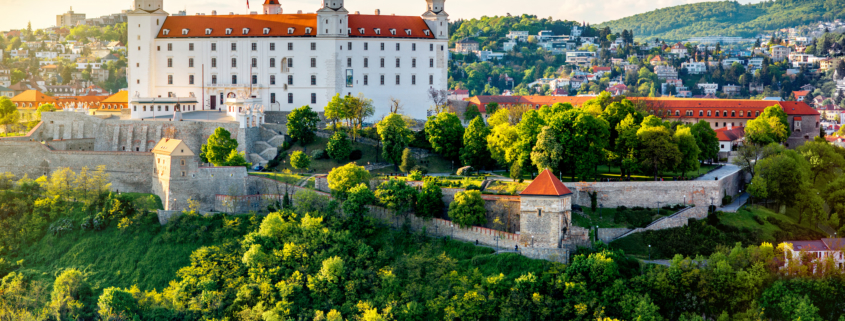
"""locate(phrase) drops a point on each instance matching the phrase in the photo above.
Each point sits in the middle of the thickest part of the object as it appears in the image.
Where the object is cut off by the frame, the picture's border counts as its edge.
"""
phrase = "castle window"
(213, 62)
(427, 33)
(378, 31)
(184, 32)
(165, 31)
(392, 31)
(213, 45)
(431, 47)
(539, 212)
(313, 46)
(207, 31)
(246, 31)
(431, 79)
(307, 31)
(170, 47)
(733, 113)
(291, 30)
(254, 46)
(290, 46)
(228, 31)
(414, 63)
(708, 113)
(234, 46)
(361, 30)
(408, 31)
(272, 62)
(183, 174)
(191, 62)
(190, 47)
(266, 31)
(366, 62)
(183, 161)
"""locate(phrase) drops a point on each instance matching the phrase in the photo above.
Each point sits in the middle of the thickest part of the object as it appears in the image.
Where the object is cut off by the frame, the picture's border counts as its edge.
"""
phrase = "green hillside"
(727, 18)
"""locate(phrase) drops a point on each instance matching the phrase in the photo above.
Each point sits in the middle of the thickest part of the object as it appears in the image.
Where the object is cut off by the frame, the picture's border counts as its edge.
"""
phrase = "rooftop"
(546, 184)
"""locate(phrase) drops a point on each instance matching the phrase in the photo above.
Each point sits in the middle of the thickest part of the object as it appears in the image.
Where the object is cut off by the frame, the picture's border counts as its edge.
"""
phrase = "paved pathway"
(726, 170)
(737, 203)
(198, 116)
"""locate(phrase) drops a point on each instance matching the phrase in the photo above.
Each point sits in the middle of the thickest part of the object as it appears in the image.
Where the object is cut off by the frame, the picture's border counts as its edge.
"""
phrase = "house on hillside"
(816, 252)
(730, 138)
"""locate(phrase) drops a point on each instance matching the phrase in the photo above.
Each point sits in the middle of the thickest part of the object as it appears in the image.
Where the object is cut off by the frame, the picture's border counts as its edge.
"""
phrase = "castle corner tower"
(272, 7)
(437, 18)
(545, 216)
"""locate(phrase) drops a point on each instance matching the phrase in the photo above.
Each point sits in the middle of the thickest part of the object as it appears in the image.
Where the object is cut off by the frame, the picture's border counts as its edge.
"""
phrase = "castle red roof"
(729, 135)
(271, 2)
(279, 25)
(546, 184)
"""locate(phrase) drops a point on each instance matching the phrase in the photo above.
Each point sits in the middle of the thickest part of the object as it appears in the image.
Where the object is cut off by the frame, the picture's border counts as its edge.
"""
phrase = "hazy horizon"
(19, 12)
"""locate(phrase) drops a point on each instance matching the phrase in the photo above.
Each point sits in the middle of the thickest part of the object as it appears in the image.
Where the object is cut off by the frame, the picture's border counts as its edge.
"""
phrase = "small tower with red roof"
(272, 7)
(545, 212)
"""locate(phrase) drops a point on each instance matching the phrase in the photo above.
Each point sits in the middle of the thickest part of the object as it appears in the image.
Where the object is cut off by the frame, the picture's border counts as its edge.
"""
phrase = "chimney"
(378, 12)
(730, 126)
(213, 12)
(357, 12)
(253, 12)
(299, 12)
(231, 13)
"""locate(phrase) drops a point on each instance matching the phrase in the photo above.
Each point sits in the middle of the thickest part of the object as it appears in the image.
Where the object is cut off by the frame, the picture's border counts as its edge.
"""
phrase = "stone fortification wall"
(82, 144)
(129, 172)
(676, 220)
(276, 117)
(609, 234)
(203, 186)
(134, 135)
(647, 194)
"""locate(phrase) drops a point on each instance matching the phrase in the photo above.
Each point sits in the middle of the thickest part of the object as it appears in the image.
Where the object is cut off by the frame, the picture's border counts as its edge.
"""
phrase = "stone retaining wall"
(554, 255)
(607, 235)
(81, 144)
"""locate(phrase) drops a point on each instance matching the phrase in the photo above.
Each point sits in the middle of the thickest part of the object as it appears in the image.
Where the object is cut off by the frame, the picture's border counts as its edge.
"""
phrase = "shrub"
(468, 209)
(464, 171)
(339, 146)
(415, 175)
(422, 169)
(758, 219)
(356, 155)
(318, 154)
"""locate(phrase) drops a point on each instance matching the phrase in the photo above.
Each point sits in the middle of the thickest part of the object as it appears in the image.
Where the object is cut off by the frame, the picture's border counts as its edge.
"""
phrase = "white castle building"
(284, 61)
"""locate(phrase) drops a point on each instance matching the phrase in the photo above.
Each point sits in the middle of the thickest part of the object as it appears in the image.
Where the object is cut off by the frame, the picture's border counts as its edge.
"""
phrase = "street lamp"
(497, 242)
(685, 201)
(658, 208)
(649, 252)
(453, 230)
(532, 240)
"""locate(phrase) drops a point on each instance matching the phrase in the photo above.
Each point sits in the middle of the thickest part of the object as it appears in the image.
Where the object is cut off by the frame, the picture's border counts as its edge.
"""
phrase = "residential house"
(729, 139)
(18, 53)
(466, 46)
(727, 63)
(6, 92)
(780, 53)
(116, 45)
(816, 253)
(709, 89)
(680, 50)
(756, 88)
(675, 82)
(657, 60)
(518, 35)
(731, 90)
(458, 94)
(580, 57)
(755, 63)
(483, 55)
(5, 77)
(616, 90)
(695, 68)
(61, 90)
(826, 63)
(601, 71)
(617, 61)
(665, 72)
(799, 95)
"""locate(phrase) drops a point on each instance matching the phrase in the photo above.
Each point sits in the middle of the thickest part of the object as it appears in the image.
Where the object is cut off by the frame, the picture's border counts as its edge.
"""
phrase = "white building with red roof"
(817, 252)
(286, 60)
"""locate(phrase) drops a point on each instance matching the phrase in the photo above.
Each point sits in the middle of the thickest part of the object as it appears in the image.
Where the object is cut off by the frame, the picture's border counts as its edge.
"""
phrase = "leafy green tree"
(474, 152)
(358, 198)
(501, 141)
(492, 108)
(336, 110)
(823, 158)
(615, 113)
(705, 138)
(220, 145)
(688, 148)
(786, 174)
(300, 160)
(117, 304)
(627, 145)
(471, 113)
(397, 196)
(548, 153)
(408, 161)
(302, 125)
(344, 178)
(468, 209)
(236, 159)
(8, 112)
(71, 297)
(43, 108)
(395, 137)
(770, 127)
(445, 133)
(658, 151)
(339, 146)
(430, 200)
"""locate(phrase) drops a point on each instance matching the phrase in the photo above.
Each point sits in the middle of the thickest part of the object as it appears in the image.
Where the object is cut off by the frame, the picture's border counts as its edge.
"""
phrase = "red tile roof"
(280, 23)
(271, 2)
(546, 184)
(729, 135)
(801, 93)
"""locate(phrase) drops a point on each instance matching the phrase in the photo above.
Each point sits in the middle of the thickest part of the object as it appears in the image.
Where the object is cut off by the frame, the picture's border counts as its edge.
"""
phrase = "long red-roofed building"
(804, 121)
(283, 61)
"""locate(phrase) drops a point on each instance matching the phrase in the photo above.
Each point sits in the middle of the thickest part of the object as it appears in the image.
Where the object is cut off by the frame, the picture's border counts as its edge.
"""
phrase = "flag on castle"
(247, 4)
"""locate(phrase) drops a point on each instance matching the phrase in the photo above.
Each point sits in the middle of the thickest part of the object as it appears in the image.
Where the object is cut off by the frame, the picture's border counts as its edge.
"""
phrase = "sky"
(16, 13)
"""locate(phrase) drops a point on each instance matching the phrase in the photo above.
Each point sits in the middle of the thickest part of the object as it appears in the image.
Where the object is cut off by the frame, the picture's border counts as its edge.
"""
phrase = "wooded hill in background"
(727, 18)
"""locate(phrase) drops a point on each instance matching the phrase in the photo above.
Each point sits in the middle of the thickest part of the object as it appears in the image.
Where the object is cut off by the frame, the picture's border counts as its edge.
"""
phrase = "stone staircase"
(266, 149)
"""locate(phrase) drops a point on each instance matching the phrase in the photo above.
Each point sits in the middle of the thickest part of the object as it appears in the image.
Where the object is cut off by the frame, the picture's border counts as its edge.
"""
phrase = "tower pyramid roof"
(546, 184)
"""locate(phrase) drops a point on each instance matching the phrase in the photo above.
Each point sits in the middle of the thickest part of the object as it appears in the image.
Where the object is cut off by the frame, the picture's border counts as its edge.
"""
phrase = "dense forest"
(727, 18)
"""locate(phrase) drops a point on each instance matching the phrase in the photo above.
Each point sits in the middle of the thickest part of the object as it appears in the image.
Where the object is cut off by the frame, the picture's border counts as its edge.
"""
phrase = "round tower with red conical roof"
(545, 212)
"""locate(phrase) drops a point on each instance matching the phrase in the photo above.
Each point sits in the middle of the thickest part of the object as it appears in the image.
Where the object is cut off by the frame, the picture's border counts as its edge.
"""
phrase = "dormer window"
(349, 31)
(184, 32)
(207, 31)
(307, 31)
(408, 31)
(361, 30)
(378, 31)
(165, 31)
(427, 32)
(291, 30)
(228, 31)
(246, 31)
(266, 31)
(393, 31)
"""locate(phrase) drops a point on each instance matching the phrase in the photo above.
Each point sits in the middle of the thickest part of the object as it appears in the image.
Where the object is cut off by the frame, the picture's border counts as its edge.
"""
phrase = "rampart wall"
(81, 144)
(129, 172)
(647, 194)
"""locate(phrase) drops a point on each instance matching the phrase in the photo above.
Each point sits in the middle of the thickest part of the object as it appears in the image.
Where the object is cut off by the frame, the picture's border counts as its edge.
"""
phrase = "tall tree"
(220, 145)
(786, 174)
(430, 200)
(688, 148)
(344, 178)
(627, 145)
(474, 152)
(336, 110)
(705, 138)
(824, 160)
(302, 125)
(770, 127)
(395, 135)
(548, 152)
(468, 209)
(658, 151)
(445, 133)
(397, 196)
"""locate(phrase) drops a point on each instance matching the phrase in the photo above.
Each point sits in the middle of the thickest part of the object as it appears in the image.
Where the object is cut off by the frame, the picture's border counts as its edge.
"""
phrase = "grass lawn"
(325, 165)
(281, 177)
(604, 218)
(634, 245)
(745, 218)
